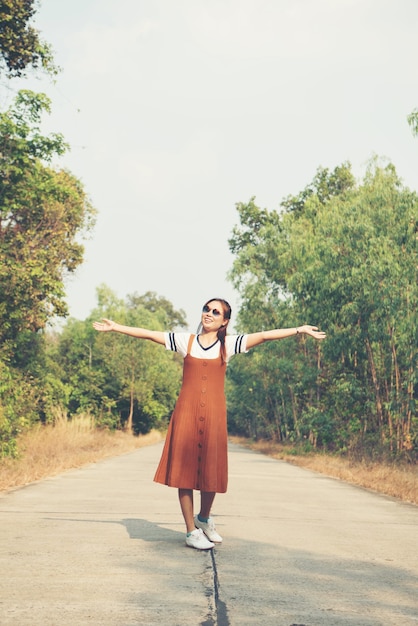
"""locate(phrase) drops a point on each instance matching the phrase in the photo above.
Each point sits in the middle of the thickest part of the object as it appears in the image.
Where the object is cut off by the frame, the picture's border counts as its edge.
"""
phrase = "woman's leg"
(204, 520)
(206, 501)
(186, 504)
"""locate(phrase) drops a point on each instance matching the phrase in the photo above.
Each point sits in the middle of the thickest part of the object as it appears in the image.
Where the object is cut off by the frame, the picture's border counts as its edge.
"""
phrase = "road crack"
(217, 610)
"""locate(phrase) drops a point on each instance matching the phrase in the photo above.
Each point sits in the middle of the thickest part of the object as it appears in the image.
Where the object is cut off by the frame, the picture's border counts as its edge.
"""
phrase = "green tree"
(170, 318)
(71, 359)
(145, 377)
(123, 382)
(345, 258)
(21, 46)
(43, 214)
(18, 406)
(413, 122)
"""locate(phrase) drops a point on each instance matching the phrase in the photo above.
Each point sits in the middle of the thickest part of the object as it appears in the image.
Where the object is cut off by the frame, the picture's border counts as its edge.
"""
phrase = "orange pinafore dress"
(195, 449)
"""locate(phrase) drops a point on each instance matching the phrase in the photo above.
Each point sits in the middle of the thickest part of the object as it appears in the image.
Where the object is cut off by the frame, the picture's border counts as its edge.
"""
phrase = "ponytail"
(221, 337)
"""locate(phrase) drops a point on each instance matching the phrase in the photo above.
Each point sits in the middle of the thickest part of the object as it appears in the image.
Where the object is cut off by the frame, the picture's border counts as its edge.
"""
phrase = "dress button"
(204, 363)
(204, 377)
(201, 418)
(203, 389)
(202, 404)
(200, 432)
(199, 445)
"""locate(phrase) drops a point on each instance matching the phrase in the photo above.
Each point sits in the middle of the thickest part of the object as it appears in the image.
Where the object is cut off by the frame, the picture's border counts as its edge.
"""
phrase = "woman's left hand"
(312, 331)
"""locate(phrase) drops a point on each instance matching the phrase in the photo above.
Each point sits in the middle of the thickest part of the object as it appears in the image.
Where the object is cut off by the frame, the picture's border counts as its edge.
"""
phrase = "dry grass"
(50, 450)
(398, 481)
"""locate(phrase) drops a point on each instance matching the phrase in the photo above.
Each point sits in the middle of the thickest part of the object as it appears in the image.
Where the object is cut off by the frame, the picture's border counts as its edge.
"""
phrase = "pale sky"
(178, 109)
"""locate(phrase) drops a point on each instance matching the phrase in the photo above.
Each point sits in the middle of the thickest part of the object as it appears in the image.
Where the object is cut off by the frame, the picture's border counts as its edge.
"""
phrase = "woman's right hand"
(104, 326)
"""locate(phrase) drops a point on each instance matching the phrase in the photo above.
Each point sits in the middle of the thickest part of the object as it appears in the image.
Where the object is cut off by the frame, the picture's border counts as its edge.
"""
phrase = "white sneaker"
(198, 540)
(208, 528)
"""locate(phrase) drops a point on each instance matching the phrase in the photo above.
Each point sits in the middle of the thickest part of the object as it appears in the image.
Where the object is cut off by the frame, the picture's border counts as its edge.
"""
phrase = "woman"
(195, 450)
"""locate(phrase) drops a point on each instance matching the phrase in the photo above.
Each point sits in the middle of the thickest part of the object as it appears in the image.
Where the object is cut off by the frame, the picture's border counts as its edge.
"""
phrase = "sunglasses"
(206, 309)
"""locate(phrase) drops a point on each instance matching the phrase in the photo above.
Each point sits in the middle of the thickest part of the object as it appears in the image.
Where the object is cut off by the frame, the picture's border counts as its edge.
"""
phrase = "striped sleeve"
(236, 344)
(170, 342)
(177, 342)
(240, 344)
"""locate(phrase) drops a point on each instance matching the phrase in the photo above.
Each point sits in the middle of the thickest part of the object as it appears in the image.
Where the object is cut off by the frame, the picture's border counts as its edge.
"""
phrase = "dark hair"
(227, 311)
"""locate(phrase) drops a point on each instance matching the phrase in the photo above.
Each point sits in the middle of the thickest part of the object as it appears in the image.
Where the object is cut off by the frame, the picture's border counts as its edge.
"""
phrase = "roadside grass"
(49, 450)
(397, 481)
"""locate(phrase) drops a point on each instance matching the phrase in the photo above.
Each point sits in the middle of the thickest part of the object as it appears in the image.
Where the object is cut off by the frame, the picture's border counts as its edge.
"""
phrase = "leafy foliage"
(18, 404)
(343, 256)
(20, 43)
(413, 122)
(122, 381)
(43, 212)
(169, 317)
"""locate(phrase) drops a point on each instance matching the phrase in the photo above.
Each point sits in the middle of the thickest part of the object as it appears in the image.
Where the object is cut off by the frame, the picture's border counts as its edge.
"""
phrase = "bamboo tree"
(343, 254)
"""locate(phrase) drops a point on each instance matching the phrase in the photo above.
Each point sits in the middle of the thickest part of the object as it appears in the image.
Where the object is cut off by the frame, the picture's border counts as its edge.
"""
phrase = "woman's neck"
(207, 339)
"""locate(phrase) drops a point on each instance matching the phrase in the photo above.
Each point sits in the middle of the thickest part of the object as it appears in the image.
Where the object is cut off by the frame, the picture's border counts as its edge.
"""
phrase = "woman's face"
(213, 316)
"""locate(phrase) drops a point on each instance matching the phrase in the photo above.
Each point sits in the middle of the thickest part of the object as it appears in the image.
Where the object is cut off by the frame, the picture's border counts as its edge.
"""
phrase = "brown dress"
(195, 449)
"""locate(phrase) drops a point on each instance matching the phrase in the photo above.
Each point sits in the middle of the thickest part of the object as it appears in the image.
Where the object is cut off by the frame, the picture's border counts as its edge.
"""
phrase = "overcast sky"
(178, 109)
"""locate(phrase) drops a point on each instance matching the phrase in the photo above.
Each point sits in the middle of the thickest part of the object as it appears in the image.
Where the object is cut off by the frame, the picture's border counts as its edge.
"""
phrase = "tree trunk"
(379, 406)
(129, 422)
(294, 412)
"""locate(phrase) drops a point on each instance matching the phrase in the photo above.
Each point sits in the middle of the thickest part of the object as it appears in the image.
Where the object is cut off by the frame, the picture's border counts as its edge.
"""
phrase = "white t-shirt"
(178, 342)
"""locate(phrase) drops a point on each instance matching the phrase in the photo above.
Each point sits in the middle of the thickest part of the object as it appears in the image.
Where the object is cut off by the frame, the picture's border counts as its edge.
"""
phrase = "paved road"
(104, 545)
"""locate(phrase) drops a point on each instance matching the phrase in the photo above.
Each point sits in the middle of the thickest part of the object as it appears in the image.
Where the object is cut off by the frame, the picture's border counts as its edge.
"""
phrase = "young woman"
(195, 450)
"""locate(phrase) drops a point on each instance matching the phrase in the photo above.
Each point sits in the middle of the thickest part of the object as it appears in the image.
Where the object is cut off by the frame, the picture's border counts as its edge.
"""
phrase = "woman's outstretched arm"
(139, 333)
(254, 339)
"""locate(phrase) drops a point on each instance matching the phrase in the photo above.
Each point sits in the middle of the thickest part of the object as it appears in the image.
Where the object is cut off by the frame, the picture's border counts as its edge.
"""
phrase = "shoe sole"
(213, 540)
(201, 549)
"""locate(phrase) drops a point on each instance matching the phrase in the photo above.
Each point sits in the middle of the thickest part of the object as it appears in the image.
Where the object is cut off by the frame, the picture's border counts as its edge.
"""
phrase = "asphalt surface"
(104, 545)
